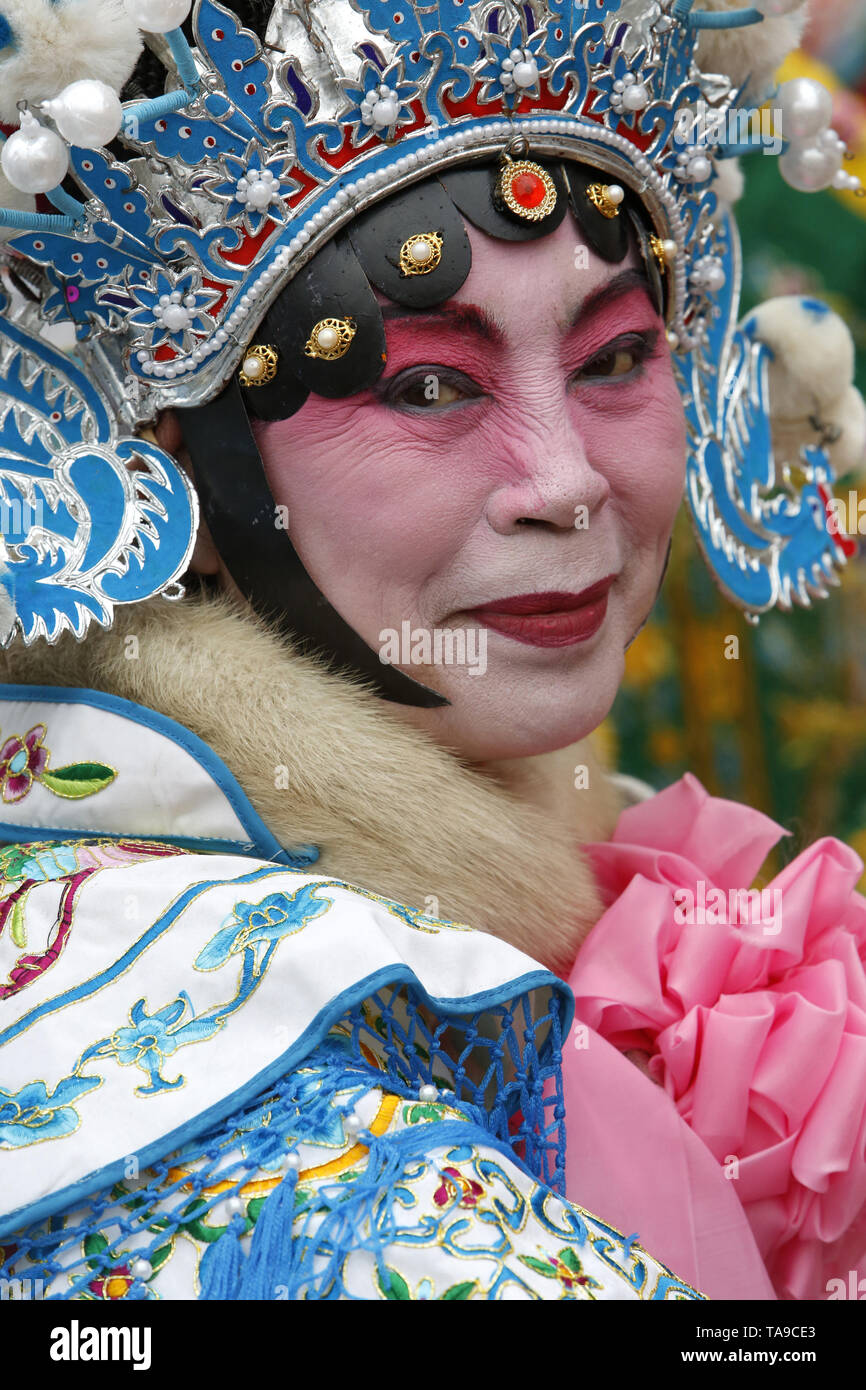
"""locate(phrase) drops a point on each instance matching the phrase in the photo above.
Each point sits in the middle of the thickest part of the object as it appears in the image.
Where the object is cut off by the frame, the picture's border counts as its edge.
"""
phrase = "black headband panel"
(380, 236)
(472, 189)
(283, 397)
(332, 287)
(607, 236)
(657, 281)
(337, 284)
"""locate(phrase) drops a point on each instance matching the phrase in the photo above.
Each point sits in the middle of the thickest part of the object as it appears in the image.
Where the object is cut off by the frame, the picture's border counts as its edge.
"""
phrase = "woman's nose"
(552, 480)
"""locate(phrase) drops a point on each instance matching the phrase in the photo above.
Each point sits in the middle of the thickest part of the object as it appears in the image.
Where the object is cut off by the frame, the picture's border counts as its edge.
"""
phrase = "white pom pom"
(811, 379)
(813, 354)
(771, 8)
(55, 45)
(844, 418)
(751, 55)
(730, 181)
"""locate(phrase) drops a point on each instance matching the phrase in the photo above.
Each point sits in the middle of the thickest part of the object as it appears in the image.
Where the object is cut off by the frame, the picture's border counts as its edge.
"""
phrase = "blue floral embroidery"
(153, 1037)
(253, 925)
(31, 1114)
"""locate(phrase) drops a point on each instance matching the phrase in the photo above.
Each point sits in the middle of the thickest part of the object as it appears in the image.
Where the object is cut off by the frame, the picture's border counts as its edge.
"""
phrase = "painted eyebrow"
(464, 318)
(471, 318)
(617, 288)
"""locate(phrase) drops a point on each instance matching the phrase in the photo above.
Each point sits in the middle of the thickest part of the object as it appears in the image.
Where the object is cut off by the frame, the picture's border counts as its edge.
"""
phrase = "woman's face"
(511, 481)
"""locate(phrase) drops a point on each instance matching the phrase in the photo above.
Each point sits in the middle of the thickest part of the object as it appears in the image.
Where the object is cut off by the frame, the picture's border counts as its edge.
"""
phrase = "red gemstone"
(528, 190)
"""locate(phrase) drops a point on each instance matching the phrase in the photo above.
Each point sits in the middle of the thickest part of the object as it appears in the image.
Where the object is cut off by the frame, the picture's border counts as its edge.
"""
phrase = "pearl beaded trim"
(354, 197)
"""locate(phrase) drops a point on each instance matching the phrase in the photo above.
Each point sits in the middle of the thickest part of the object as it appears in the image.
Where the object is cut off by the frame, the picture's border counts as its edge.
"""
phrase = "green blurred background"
(783, 728)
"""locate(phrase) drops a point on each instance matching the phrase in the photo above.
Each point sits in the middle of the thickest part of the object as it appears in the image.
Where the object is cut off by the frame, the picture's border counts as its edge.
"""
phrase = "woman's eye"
(428, 392)
(617, 362)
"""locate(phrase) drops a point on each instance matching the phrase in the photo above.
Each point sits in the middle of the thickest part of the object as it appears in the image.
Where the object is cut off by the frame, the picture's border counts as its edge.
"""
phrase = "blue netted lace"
(498, 1070)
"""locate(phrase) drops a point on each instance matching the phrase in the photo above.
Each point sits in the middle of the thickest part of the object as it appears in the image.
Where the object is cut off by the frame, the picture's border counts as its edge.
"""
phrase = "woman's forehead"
(514, 284)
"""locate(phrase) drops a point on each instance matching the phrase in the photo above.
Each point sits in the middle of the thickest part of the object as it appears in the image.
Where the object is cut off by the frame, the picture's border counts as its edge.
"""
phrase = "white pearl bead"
(260, 196)
(34, 159)
(421, 251)
(235, 1206)
(635, 98)
(614, 194)
(253, 367)
(670, 250)
(806, 108)
(526, 74)
(354, 1124)
(700, 169)
(327, 338)
(141, 1269)
(384, 113)
(158, 16)
(293, 1161)
(428, 1093)
(830, 140)
(176, 318)
(87, 113)
(809, 168)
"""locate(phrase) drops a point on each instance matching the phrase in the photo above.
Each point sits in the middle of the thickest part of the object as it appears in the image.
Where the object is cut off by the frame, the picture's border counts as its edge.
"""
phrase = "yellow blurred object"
(606, 744)
(858, 844)
(814, 724)
(716, 679)
(666, 745)
(649, 659)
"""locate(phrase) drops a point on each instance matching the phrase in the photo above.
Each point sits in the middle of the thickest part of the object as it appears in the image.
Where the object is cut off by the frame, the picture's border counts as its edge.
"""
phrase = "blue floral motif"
(263, 924)
(173, 309)
(151, 1038)
(626, 88)
(515, 65)
(382, 99)
(254, 186)
(32, 1114)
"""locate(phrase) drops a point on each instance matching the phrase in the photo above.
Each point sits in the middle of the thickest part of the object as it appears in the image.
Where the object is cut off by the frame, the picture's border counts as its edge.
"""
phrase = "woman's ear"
(169, 436)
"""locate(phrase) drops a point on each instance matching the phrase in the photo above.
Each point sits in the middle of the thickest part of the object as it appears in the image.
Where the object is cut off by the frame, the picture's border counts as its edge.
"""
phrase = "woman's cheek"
(643, 438)
(359, 489)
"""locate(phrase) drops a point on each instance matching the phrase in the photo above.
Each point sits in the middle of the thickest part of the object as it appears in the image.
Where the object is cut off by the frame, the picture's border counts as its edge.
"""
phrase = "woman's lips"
(550, 619)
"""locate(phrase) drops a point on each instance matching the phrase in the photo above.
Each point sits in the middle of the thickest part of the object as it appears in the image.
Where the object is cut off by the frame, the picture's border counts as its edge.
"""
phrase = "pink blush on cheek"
(357, 485)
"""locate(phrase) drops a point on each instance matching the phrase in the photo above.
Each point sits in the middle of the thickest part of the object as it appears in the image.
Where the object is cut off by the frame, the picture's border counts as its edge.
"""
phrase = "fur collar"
(325, 762)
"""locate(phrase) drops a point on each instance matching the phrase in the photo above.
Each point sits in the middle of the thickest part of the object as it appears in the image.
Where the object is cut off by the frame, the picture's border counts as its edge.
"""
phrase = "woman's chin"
(515, 711)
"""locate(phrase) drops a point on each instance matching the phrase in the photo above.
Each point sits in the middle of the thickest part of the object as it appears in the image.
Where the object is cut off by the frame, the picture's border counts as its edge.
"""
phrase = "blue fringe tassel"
(222, 1264)
(273, 1247)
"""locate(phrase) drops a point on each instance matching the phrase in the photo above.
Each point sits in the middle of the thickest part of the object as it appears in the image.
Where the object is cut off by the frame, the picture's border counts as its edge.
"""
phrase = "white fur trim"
(390, 809)
(750, 56)
(731, 182)
(58, 44)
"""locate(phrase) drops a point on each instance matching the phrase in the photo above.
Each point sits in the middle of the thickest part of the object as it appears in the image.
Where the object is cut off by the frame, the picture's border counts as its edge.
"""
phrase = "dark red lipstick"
(550, 619)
